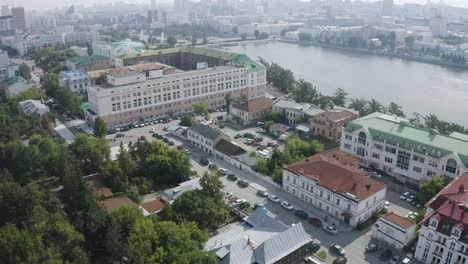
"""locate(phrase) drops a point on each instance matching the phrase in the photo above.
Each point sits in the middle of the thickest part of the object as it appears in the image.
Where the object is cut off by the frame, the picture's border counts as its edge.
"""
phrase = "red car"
(143, 138)
(255, 143)
(315, 221)
(167, 120)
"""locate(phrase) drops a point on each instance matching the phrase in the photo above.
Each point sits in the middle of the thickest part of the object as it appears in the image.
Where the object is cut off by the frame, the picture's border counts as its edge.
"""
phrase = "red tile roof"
(96, 183)
(343, 157)
(334, 175)
(336, 116)
(450, 206)
(115, 203)
(399, 220)
(254, 105)
(154, 206)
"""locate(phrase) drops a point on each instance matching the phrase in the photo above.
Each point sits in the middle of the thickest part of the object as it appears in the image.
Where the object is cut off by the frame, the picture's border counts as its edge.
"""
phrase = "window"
(361, 152)
(378, 146)
(448, 259)
(376, 156)
(418, 158)
(390, 149)
(417, 169)
(433, 222)
(328, 197)
(349, 207)
(433, 164)
(388, 160)
(403, 160)
(347, 146)
(456, 232)
(348, 137)
(321, 193)
(338, 202)
(451, 166)
(362, 138)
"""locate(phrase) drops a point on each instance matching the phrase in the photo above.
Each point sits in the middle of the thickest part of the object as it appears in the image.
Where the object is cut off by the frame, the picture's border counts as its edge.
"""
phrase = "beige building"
(329, 124)
(131, 95)
(251, 112)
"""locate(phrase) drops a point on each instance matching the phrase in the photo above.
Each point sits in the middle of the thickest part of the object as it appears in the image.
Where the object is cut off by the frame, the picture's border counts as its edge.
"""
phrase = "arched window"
(362, 138)
(451, 166)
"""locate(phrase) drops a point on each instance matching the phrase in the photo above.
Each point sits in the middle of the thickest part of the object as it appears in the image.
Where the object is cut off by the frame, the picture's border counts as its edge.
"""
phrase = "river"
(418, 87)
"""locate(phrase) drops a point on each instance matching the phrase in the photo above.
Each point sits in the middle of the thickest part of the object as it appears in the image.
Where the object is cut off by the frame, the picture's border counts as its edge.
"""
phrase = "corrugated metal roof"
(205, 131)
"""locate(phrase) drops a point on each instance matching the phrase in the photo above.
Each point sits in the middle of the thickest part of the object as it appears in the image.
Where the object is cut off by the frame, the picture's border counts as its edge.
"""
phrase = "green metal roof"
(84, 106)
(81, 61)
(399, 131)
(248, 63)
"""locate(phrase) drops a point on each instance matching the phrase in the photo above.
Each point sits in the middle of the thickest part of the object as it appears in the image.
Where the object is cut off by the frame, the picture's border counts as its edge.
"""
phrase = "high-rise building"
(18, 14)
(387, 9)
(5, 10)
(181, 5)
(7, 26)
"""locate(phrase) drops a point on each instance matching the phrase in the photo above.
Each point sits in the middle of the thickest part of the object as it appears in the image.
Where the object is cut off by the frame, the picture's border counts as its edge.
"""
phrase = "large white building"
(116, 49)
(131, 96)
(205, 137)
(443, 237)
(395, 230)
(78, 82)
(333, 183)
(407, 152)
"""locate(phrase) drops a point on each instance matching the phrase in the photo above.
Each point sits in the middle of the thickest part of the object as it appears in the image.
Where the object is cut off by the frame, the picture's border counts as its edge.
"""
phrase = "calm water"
(418, 87)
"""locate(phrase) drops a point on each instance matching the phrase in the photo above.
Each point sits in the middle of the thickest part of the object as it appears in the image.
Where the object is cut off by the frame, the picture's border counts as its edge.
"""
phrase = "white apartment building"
(130, 96)
(295, 111)
(205, 137)
(408, 153)
(331, 183)
(78, 82)
(443, 237)
(395, 230)
(116, 49)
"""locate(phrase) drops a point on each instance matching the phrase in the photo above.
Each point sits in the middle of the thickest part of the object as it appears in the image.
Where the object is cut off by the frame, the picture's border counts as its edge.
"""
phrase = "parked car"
(232, 176)
(406, 261)
(260, 130)
(223, 171)
(371, 247)
(337, 249)
(227, 194)
(204, 161)
(257, 205)
(171, 143)
(262, 193)
(248, 135)
(211, 166)
(187, 151)
(143, 138)
(402, 197)
(286, 205)
(243, 183)
(244, 205)
(237, 136)
(119, 135)
(152, 130)
(274, 198)
(394, 260)
(330, 229)
(315, 221)
(255, 143)
(406, 194)
(237, 202)
(258, 139)
(386, 255)
(313, 247)
(301, 214)
(166, 140)
(340, 260)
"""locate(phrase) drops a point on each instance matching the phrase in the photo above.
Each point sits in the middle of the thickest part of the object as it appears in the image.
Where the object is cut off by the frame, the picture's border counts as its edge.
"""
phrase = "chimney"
(461, 188)
(368, 186)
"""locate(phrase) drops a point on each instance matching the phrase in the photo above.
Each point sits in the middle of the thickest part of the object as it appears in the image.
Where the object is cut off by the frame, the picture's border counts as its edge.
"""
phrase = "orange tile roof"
(96, 183)
(336, 176)
(343, 157)
(254, 105)
(336, 116)
(154, 206)
(115, 203)
(398, 220)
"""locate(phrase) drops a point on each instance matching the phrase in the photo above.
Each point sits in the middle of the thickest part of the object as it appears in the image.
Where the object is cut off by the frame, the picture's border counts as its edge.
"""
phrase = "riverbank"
(435, 61)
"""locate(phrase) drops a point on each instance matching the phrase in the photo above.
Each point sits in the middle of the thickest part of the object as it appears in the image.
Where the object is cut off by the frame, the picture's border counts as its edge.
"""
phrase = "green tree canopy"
(429, 188)
(188, 120)
(171, 41)
(25, 71)
(340, 97)
(100, 127)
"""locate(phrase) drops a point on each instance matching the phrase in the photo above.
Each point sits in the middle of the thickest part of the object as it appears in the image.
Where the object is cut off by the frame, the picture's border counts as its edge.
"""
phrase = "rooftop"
(154, 206)
(330, 173)
(398, 220)
(96, 183)
(308, 109)
(115, 203)
(173, 193)
(206, 131)
(343, 157)
(338, 115)
(254, 105)
(82, 61)
(71, 74)
(30, 106)
(228, 148)
(400, 131)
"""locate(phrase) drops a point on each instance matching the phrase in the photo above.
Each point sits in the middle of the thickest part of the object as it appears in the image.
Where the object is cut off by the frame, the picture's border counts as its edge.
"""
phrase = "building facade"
(395, 230)
(205, 137)
(7, 26)
(88, 63)
(20, 20)
(250, 112)
(295, 113)
(78, 82)
(131, 95)
(333, 185)
(329, 124)
(407, 152)
(116, 49)
(443, 237)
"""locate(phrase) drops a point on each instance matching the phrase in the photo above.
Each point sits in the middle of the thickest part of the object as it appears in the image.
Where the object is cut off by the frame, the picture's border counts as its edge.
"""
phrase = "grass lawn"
(322, 255)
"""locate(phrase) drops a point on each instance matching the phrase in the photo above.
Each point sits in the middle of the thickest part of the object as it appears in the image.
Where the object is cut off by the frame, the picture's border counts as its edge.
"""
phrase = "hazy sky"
(46, 4)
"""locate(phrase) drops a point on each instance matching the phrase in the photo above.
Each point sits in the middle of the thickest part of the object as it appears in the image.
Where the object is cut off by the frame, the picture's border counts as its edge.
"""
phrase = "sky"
(46, 4)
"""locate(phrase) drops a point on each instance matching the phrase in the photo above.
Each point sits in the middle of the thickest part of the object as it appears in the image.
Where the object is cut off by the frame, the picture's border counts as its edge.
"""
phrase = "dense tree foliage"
(99, 127)
(188, 120)
(32, 93)
(52, 60)
(25, 71)
(171, 41)
(201, 108)
(429, 188)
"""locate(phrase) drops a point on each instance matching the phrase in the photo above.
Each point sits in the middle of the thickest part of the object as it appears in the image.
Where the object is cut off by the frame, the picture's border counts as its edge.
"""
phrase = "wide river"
(418, 87)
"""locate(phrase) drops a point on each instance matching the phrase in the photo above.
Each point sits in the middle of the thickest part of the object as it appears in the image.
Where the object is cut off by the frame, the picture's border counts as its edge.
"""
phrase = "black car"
(232, 176)
(118, 135)
(204, 161)
(249, 135)
(166, 140)
(301, 214)
(244, 205)
(258, 139)
(313, 247)
(340, 260)
(171, 143)
(243, 183)
(386, 255)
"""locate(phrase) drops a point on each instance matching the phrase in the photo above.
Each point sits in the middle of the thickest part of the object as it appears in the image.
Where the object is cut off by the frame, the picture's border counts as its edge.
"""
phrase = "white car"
(330, 229)
(406, 193)
(274, 198)
(237, 202)
(403, 197)
(286, 205)
(406, 261)
(152, 130)
(223, 171)
(387, 203)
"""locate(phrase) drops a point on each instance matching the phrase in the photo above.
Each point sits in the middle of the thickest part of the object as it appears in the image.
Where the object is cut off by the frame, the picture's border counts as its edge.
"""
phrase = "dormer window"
(456, 231)
(434, 222)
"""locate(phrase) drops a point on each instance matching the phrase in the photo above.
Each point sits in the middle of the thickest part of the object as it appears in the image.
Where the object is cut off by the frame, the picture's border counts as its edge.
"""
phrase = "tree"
(305, 92)
(50, 84)
(188, 120)
(101, 79)
(134, 195)
(211, 185)
(201, 108)
(263, 35)
(228, 100)
(257, 34)
(100, 128)
(32, 93)
(205, 40)
(261, 166)
(429, 188)
(25, 71)
(340, 97)
(171, 41)
(67, 101)
(409, 41)
(92, 153)
(359, 105)
(194, 41)
(276, 117)
(395, 109)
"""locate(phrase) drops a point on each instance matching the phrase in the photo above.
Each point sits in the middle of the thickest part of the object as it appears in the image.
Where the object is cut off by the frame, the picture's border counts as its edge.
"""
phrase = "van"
(310, 260)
